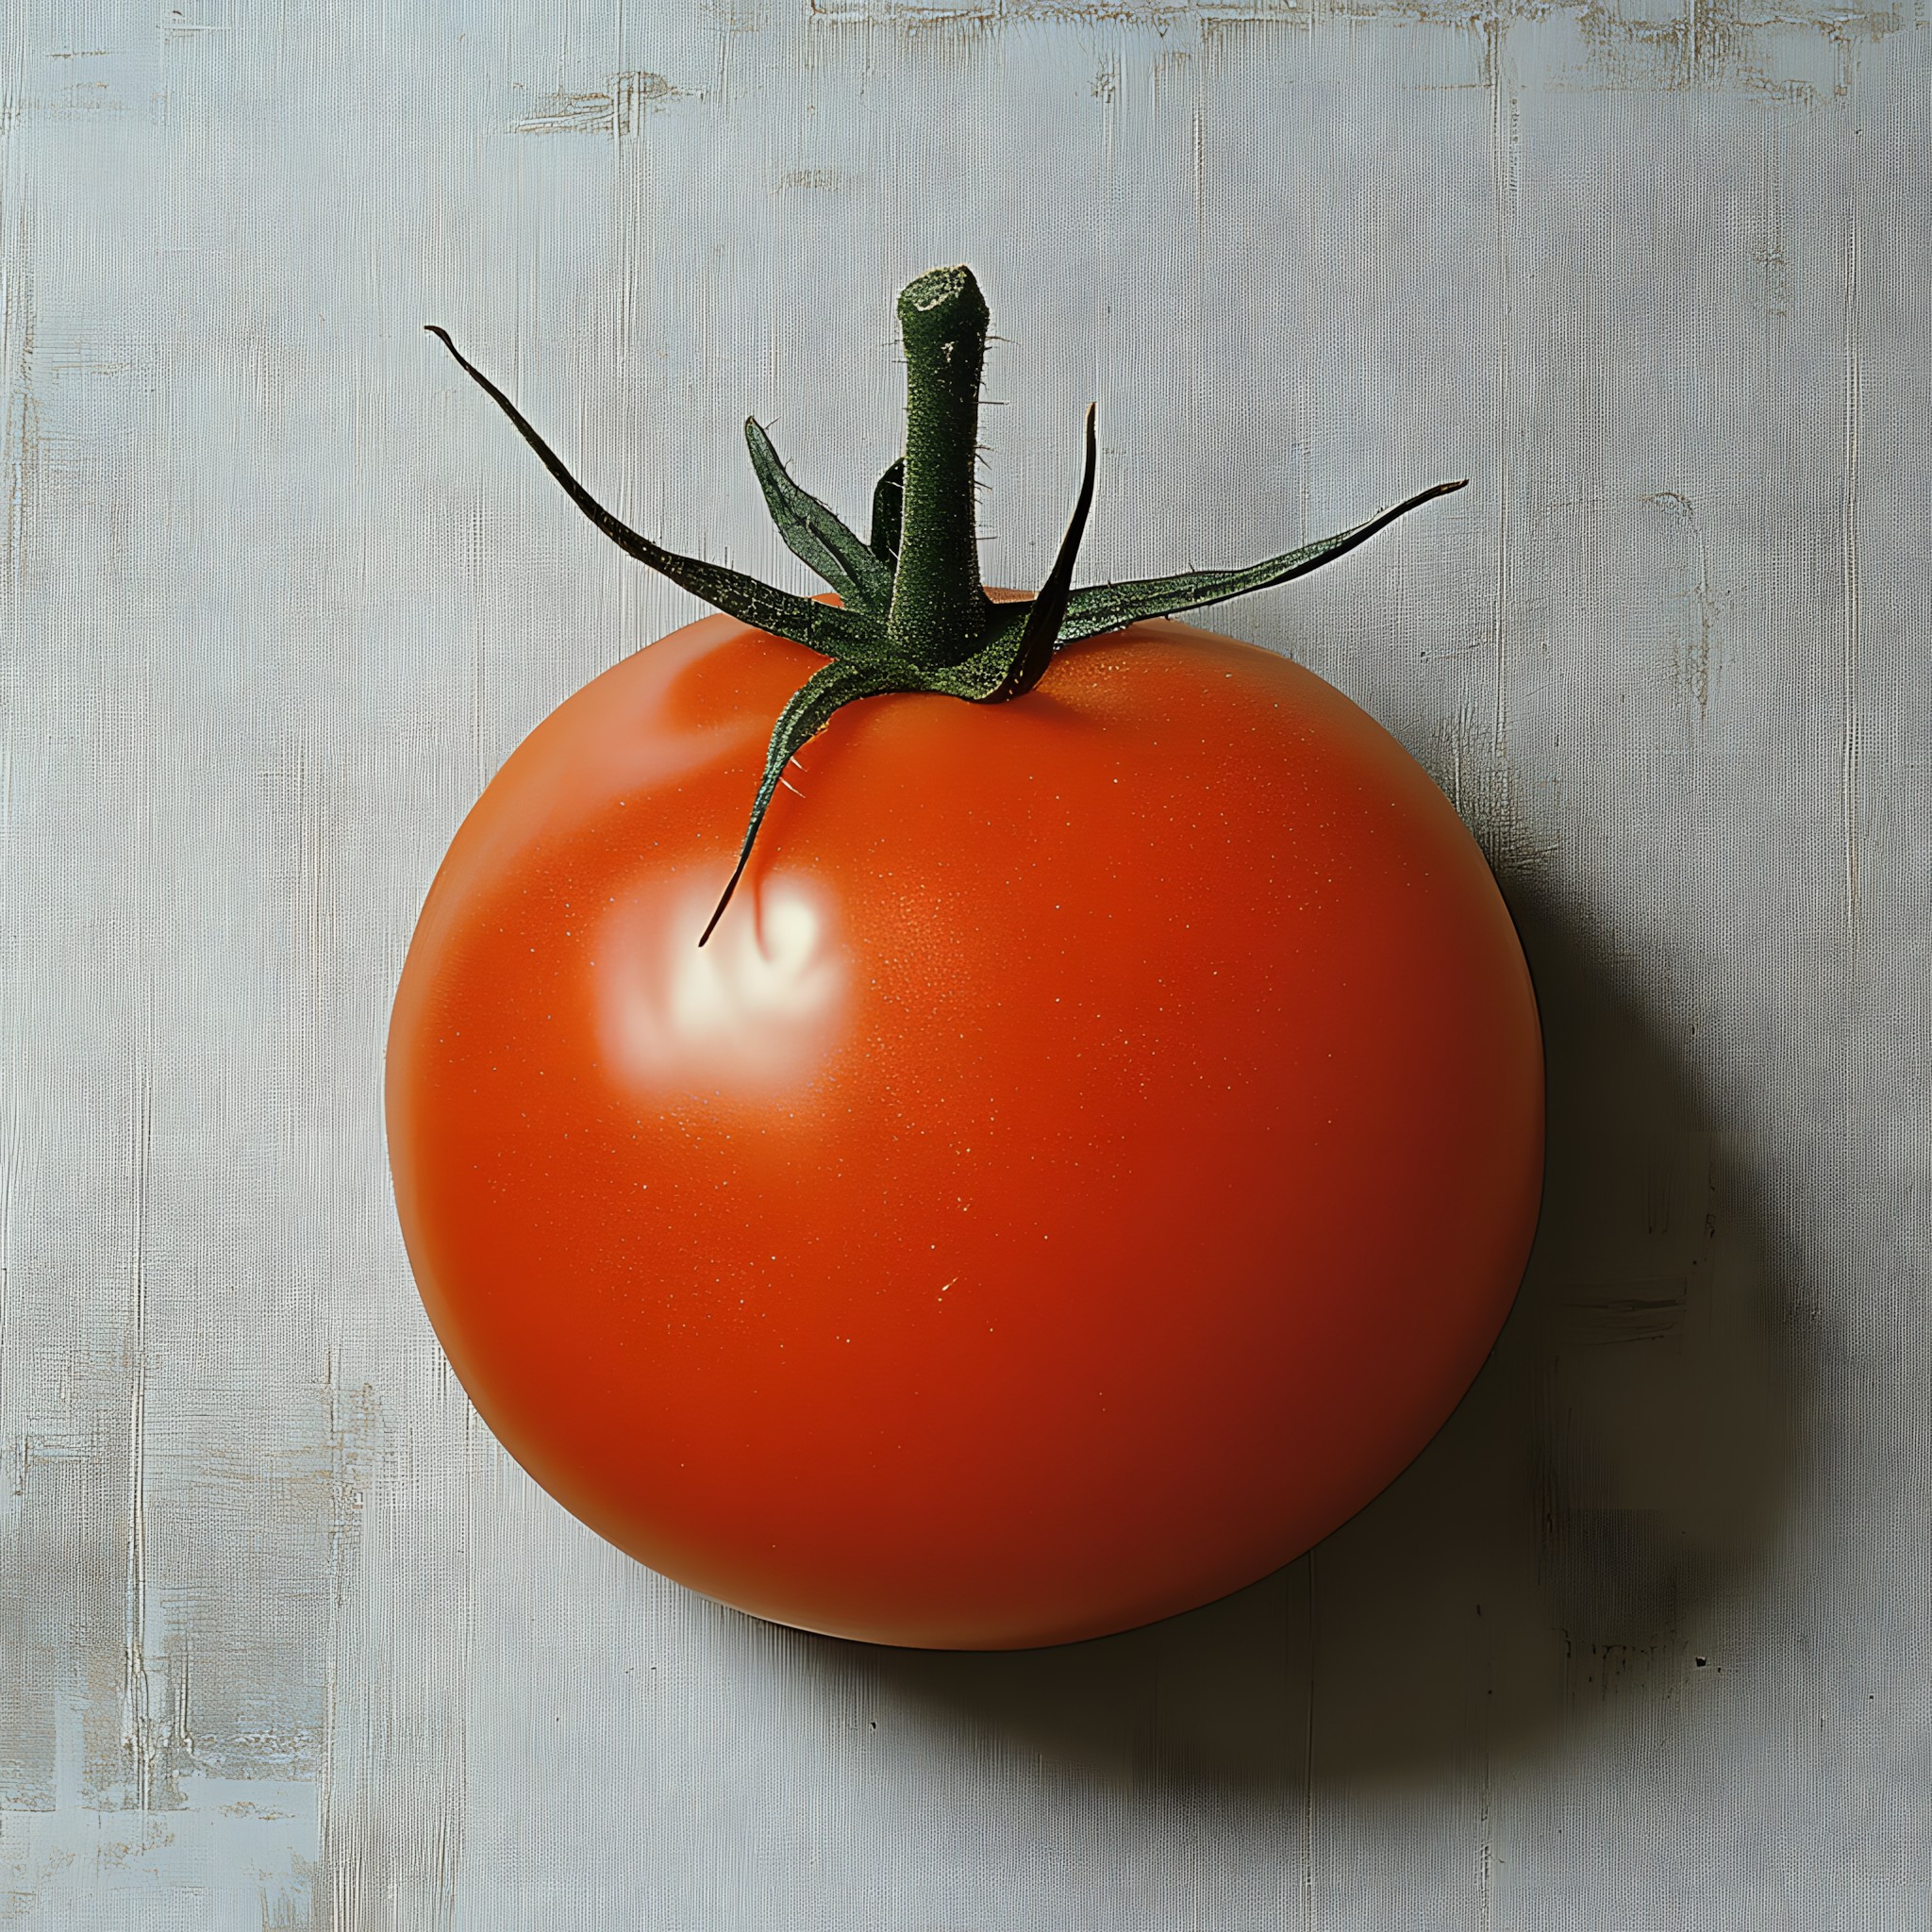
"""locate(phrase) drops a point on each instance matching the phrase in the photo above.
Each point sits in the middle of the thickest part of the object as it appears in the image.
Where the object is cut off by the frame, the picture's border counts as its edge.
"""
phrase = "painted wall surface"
(1641, 1642)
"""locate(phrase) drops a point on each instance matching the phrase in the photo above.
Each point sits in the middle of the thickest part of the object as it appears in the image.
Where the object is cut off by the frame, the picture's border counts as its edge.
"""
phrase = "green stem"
(939, 611)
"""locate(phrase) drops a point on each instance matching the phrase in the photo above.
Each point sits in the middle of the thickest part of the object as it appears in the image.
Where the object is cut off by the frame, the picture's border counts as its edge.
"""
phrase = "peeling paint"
(613, 108)
(1698, 635)
(1793, 49)
(20, 439)
(244, 1847)
(819, 180)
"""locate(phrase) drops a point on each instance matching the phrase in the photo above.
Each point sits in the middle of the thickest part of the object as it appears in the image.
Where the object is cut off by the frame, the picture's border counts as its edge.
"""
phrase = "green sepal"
(805, 714)
(1098, 608)
(888, 512)
(816, 536)
(1040, 638)
(819, 626)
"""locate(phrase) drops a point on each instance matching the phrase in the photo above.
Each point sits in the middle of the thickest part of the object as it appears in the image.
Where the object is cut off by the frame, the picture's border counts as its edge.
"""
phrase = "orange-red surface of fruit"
(1092, 1156)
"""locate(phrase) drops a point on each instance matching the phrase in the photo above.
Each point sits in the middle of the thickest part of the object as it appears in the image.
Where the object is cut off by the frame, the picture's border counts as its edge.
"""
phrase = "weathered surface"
(1641, 1642)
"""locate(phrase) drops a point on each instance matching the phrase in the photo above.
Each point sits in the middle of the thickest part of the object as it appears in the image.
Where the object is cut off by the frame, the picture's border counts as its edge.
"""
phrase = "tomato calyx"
(912, 613)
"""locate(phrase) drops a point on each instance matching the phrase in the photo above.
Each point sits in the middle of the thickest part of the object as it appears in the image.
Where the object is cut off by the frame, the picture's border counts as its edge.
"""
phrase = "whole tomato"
(1091, 1157)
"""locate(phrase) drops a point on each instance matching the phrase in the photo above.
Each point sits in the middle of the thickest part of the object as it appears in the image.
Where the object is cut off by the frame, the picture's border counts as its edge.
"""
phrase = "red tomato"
(1093, 1155)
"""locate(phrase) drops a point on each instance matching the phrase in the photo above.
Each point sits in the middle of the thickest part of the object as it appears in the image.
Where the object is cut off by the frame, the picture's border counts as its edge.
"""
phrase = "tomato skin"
(1093, 1155)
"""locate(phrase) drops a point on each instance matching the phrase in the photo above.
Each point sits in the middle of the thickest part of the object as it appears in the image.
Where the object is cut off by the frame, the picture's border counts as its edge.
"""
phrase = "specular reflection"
(760, 1006)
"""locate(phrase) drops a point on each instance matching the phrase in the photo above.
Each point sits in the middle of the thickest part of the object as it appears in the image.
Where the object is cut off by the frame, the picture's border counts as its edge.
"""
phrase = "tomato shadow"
(1556, 1561)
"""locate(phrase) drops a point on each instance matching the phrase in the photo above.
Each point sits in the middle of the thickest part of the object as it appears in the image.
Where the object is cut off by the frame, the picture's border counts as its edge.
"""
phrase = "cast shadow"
(1624, 1457)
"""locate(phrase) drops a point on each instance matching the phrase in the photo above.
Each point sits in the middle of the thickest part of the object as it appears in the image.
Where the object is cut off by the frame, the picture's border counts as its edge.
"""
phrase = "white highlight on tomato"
(758, 1007)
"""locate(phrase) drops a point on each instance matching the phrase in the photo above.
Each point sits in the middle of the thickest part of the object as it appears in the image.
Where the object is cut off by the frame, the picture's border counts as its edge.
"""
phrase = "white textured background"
(1642, 1645)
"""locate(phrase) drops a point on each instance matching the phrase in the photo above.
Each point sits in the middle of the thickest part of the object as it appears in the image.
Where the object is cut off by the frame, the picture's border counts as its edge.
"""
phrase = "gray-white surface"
(1642, 1643)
